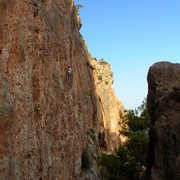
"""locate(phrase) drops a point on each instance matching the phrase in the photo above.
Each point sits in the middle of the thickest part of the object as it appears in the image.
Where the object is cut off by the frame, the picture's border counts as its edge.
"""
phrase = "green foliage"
(137, 146)
(116, 167)
(137, 137)
(100, 78)
(131, 157)
(85, 161)
(91, 132)
(78, 6)
(112, 166)
(102, 61)
(138, 119)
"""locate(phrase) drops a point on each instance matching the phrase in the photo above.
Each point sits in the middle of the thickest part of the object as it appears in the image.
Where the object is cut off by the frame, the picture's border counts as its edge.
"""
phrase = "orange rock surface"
(112, 109)
(44, 120)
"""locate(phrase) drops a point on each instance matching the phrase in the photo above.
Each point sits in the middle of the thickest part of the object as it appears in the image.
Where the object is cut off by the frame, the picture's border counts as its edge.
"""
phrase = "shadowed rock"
(164, 108)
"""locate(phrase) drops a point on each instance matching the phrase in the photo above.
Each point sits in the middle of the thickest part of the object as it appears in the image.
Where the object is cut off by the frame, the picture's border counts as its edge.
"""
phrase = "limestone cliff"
(46, 124)
(112, 109)
(164, 108)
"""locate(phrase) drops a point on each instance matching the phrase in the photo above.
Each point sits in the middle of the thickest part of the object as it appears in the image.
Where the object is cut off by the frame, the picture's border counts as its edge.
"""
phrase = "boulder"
(164, 107)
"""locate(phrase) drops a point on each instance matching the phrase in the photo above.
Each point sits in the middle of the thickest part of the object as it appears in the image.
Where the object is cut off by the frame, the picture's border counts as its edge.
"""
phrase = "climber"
(68, 74)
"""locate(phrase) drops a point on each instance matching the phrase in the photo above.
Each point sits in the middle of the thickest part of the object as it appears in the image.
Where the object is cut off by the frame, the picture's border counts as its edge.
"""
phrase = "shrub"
(85, 161)
(100, 78)
(78, 6)
(91, 132)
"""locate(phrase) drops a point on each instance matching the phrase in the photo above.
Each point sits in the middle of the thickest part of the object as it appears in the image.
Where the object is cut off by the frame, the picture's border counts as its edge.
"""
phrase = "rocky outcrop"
(44, 121)
(164, 108)
(112, 109)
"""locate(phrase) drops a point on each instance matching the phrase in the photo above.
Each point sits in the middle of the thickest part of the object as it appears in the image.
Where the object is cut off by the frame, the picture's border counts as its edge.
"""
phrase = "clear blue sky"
(131, 35)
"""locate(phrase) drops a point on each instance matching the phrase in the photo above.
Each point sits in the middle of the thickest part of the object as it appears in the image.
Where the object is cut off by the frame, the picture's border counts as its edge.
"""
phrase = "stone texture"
(43, 120)
(164, 108)
(112, 109)
(45, 123)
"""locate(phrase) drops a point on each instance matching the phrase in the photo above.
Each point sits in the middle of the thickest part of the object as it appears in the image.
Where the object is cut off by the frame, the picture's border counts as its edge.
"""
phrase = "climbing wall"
(43, 120)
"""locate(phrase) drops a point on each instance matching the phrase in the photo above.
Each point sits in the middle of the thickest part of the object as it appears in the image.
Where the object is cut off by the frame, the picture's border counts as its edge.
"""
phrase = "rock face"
(111, 107)
(164, 108)
(44, 121)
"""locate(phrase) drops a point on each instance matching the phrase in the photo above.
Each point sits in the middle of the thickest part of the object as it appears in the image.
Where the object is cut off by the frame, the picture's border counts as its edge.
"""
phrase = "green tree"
(136, 133)
(130, 159)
